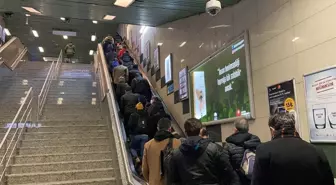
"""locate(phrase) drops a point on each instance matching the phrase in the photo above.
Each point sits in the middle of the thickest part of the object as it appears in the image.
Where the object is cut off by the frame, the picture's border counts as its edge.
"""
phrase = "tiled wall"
(289, 38)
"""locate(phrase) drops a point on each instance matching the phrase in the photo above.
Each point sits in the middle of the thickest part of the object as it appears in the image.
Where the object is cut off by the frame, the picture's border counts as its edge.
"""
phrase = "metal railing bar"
(16, 116)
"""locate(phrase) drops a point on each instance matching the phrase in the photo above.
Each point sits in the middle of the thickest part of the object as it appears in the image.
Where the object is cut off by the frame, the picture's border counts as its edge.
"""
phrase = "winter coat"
(288, 160)
(134, 121)
(133, 74)
(128, 102)
(127, 60)
(201, 162)
(151, 158)
(141, 86)
(70, 49)
(237, 143)
(155, 113)
(121, 88)
(118, 72)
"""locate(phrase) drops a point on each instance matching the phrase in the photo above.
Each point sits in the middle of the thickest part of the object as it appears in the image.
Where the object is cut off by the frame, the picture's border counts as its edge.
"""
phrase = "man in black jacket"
(141, 86)
(121, 88)
(237, 143)
(287, 159)
(127, 105)
(199, 161)
(134, 72)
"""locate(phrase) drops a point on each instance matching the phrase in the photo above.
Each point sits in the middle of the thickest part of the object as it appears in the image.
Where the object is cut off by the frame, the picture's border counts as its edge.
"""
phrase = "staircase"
(72, 144)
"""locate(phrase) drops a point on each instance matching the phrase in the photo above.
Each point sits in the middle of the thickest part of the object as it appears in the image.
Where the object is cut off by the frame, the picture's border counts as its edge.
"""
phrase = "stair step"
(62, 149)
(100, 181)
(75, 116)
(62, 135)
(60, 166)
(60, 176)
(68, 129)
(62, 157)
(70, 123)
(65, 142)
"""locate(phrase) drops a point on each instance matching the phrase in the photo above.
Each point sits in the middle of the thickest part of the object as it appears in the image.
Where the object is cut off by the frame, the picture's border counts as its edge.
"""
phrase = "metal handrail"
(116, 127)
(27, 117)
(52, 75)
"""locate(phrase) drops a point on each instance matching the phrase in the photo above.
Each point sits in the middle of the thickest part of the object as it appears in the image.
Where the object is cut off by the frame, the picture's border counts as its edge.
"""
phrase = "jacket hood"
(162, 135)
(194, 146)
(244, 139)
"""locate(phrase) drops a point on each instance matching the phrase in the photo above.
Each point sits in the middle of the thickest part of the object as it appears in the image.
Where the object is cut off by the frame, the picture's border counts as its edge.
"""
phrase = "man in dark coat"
(289, 160)
(237, 143)
(155, 113)
(199, 161)
(141, 86)
(127, 105)
(121, 88)
(133, 73)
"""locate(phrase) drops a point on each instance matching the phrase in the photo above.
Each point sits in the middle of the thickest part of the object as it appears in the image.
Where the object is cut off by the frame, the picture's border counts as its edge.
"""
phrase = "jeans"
(138, 144)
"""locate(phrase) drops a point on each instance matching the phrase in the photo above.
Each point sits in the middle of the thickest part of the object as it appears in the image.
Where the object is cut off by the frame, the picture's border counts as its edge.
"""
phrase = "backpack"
(142, 126)
(247, 163)
(165, 157)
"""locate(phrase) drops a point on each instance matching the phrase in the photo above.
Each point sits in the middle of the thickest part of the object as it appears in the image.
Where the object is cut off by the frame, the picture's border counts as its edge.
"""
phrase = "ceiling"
(81, 13)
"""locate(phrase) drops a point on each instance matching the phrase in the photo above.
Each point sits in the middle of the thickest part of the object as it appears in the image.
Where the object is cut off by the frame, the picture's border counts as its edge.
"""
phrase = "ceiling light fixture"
(201, 45)
(93, 38)
(170, 28)
(182, 60)
(95, 22)
(109, 17)
(143, 29)
(65, 37)
(7, 32)
(220, 26)
(182, 44)
(91, 52)
(35, 33)
(62, 18)
(295, 39)
(27, 15)
(123, 3)
(41, 49)
(31, 10)
(160, 44)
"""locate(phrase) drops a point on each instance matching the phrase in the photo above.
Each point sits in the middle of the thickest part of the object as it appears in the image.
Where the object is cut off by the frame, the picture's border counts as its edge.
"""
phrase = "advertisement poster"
(320, 90)
(281, 98)
(157, 59)
(183, 82)
(168, 69)
(170, 88)
(221, 86)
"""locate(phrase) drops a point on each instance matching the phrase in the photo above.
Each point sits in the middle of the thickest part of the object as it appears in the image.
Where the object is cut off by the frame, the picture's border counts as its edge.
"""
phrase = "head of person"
(135, 66)
(128, 89)
(139, 107)
(192, 127)
(155, 99)
(124, 47)
(280, 122)
(204, 133)
(241, 125)
(164, 124)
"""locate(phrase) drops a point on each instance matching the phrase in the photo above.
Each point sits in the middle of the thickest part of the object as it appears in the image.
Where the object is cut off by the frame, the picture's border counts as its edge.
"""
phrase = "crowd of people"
(163, 158)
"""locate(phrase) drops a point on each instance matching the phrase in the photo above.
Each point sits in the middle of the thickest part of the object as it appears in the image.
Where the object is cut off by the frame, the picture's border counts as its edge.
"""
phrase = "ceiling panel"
(82, 12)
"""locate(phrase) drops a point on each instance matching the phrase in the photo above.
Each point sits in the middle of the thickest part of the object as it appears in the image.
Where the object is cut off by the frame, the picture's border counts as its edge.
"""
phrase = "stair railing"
(20, 123)
(12, 52)
(128, 178)
(52, 75)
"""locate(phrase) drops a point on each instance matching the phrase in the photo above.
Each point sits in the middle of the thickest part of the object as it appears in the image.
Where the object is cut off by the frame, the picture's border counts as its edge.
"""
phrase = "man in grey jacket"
(118, 72)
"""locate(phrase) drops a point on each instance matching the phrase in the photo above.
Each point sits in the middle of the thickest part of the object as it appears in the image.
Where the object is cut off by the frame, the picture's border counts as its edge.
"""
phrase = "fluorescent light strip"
(91, 52)
(93, 38)
(31, 10)
(182, 44)
(160, 44)
(65, 37)
(41, 49)
(35, 33)
(7, 32)
(95, 22)
(295, 39)
(201, 45)
(109, 17)
(143, 29)
(123, 3)
(27, 15)
(62, 18)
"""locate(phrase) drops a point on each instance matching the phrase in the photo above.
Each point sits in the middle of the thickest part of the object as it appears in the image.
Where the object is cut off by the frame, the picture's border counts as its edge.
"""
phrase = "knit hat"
(139, 106)
(164, 124)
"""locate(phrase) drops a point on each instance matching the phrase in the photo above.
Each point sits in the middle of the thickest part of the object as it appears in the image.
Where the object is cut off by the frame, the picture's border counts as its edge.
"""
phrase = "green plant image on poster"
(219, 87)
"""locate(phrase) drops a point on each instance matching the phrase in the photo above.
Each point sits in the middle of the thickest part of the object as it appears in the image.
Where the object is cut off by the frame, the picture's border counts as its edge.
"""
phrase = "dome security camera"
(213, 7)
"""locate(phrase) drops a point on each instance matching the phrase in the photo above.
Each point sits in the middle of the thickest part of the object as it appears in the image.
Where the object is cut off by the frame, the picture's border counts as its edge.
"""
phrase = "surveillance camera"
(213, 7)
